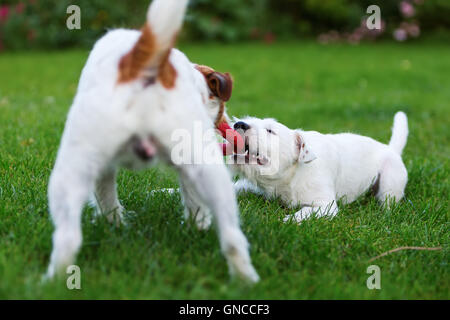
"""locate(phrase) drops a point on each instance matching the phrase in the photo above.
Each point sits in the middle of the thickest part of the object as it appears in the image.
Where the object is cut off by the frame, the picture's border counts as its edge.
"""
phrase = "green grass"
(324, 88)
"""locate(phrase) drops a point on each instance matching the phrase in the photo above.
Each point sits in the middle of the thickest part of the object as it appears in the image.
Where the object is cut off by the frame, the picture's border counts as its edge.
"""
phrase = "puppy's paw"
(299, 216)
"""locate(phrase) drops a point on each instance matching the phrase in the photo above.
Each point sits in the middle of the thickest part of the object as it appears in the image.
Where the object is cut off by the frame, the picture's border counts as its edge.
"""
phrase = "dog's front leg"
(213, 184)
(328, 210)
(194, 208)
(106, 196)
(243, 185)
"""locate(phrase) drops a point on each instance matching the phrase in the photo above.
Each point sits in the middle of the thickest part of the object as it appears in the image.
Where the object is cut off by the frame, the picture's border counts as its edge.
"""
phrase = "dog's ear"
(220, 84)
(305, 154)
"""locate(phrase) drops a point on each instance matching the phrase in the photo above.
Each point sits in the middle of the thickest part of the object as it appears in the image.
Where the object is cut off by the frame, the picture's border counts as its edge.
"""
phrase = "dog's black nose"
(241, 125)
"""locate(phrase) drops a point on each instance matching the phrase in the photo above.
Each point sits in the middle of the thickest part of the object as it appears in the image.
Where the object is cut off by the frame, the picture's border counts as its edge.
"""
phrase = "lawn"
(304, 85)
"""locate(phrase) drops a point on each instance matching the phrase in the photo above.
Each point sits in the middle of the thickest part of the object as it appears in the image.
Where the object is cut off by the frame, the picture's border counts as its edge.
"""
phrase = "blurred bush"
(228, 20)
(42, 23)
(28, 24)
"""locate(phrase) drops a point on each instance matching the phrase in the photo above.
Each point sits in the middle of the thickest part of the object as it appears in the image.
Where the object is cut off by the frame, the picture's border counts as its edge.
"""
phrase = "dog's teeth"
(241, 154)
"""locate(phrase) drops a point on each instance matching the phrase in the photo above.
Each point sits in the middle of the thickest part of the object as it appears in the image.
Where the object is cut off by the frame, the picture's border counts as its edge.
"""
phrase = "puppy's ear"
(220, 84)
(305, 154)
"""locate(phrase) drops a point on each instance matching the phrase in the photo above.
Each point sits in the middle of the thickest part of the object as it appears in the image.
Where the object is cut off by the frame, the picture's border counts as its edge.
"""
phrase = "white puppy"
(314, 170)
(134, 92)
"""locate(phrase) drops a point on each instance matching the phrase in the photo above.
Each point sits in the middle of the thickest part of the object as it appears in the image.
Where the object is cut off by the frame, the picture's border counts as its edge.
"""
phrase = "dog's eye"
(270, 131)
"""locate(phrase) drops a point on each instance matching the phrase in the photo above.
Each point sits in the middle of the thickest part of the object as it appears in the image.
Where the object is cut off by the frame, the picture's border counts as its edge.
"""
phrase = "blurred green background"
(311, 64)
(42, 23)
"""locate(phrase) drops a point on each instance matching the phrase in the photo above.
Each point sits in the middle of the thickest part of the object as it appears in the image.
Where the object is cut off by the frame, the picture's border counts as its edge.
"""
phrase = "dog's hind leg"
(213, 184)
(194, 208)
(393, 179)
(106, 196)
(71, 182)
(205, 173)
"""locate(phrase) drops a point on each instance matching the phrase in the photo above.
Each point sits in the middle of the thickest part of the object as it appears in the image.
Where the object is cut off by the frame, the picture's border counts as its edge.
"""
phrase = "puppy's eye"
(270, 131)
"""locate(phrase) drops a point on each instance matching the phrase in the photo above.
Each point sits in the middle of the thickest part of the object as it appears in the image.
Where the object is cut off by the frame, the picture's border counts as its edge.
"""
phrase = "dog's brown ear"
(220, 84)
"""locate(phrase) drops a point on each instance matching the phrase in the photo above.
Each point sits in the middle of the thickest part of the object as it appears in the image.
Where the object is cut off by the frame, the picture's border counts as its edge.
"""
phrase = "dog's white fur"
(106, 115)
(314, 170)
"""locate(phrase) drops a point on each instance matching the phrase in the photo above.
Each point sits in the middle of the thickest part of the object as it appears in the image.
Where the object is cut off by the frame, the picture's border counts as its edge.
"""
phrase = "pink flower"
(354, 38)
(334, 36)
(407, 9)
(400, 35)
(413, 30)
(4, 11)
(323, 38)
(372, 32)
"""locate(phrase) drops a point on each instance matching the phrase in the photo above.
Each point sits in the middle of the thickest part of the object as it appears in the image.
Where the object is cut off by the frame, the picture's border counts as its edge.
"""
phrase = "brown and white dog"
(135, 91)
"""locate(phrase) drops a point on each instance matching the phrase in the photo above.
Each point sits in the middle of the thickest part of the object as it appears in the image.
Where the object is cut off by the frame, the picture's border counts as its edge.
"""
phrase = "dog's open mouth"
(250, 158)
(245, 156)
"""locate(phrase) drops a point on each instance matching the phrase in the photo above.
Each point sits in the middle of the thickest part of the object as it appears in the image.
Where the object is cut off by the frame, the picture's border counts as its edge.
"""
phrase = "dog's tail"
(151, 51)
(164, 20)
(399, 132)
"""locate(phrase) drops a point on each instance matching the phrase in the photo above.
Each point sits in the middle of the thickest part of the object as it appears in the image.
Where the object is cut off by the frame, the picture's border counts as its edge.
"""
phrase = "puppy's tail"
(151, 51)
(399, 132)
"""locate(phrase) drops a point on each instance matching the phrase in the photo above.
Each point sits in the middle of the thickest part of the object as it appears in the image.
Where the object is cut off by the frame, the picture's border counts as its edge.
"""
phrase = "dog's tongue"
(235, 142)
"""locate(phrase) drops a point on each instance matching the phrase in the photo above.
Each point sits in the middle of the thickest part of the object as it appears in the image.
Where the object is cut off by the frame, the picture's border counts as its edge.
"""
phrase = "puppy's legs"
(393, 179)
(71, 182)
(329, 209)
(213, 184)
(106, 196)
(194, 207)
(243, 185)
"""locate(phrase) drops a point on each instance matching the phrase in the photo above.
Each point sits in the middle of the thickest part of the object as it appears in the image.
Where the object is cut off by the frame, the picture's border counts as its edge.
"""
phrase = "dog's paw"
(299, 216)
(235, 249)
(247, 273)
(201, 216)
(204, 223)
(116, 217)
(296, 218)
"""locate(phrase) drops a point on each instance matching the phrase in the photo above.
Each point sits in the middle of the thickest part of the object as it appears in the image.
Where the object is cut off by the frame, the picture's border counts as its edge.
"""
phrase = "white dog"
(134, 92)
(314, 170)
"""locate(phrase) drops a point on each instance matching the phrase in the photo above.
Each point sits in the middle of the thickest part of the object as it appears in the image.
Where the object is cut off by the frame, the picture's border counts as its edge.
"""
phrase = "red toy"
(235, 142)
